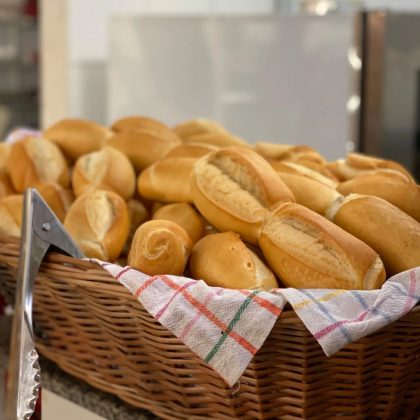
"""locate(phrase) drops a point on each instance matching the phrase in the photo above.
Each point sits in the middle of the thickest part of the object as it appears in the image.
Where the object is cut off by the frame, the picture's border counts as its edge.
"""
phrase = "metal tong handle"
(40, 230)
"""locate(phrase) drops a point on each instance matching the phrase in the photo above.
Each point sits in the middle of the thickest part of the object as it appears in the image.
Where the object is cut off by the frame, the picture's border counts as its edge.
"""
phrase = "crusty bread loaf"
(223, 260)
(160, 247)
(167, 180)
(307, 251)
(235, 189)
(392, 186)
(193, 150)
(185, 216)
(106, 169)
(4, 157)
(6, 187)
(392, 233)
(76, 137)
(98, 222)
(198, 126)
(357, 164)
(35, 160)
(286, 151)
(143, 147)
(310, 193)
(216, 139)
(11, 208)
(58, 198)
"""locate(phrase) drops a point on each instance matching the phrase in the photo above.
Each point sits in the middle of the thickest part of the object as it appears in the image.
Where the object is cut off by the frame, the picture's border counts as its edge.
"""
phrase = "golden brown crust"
(58, 198)
(223, 260)
(167, 180)
(142, 147)
(216, 139)
(184, 215)
(392, 186)
(98, 222)
(107, 169)
(11, 208)
(393, 234)
(35, 160)
(160, 247)
(76, 137)
(4, 157)
(198, 126)
(357, 164)
(234, 189)
(310, 193)
(307, 251)
(6, 187)
(193, 150)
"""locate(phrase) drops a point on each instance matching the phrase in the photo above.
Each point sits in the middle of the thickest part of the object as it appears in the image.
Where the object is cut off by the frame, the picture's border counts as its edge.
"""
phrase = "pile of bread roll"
(196, 200)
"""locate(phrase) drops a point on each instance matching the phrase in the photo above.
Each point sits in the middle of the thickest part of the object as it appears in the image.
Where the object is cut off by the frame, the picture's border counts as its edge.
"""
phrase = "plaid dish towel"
(227, 327)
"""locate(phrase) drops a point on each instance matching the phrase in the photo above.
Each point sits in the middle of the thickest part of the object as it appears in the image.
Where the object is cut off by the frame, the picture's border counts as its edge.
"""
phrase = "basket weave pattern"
(94, 329)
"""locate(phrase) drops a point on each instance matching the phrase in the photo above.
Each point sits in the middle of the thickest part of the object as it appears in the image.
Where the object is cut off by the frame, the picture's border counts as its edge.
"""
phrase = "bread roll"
(286, 151)
(296, 169)
(160, 247)
(393, 234)
(185, 216)
(392, 186)
(137, 213)
(235, 189)
(357, 164)
(107, 169)
(223, 260)
(11, 208)
(194, 150)
(76, 137)
(36, 160)
(167, 180)
(143, 147)
(198, 126)
(4, 157)
(98, 222)
(6, 187)
(135, 123)
(216, 139)
(307, 251)
(310, 193)
(58, 199)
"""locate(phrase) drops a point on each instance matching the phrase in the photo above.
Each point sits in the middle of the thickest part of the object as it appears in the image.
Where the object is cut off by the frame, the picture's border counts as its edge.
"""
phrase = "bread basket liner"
(226, 327)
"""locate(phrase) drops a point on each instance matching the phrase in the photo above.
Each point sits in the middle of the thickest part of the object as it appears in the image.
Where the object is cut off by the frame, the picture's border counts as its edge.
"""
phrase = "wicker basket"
(94, 329)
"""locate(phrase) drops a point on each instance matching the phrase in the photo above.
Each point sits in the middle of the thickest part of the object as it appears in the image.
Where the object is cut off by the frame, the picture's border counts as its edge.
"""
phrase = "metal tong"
(40, 230)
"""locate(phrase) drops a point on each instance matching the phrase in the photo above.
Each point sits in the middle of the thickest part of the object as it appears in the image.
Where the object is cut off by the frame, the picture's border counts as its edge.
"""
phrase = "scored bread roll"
(160, 247)
(167, 180)
(223, 260)
(143, 147)
(216, 139)
(390, 185)
(6, 187)
(36, 160)
(286, 151)
(98, 222)
(235, 189)
(392, 233)
(58, 198)
(11, 208)
(185, 216)
(310, 193)
(76, 137)
(4, 157)
(194, 150)
(107, 169)
(307, 251)
(356, 164)
(197, 127)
